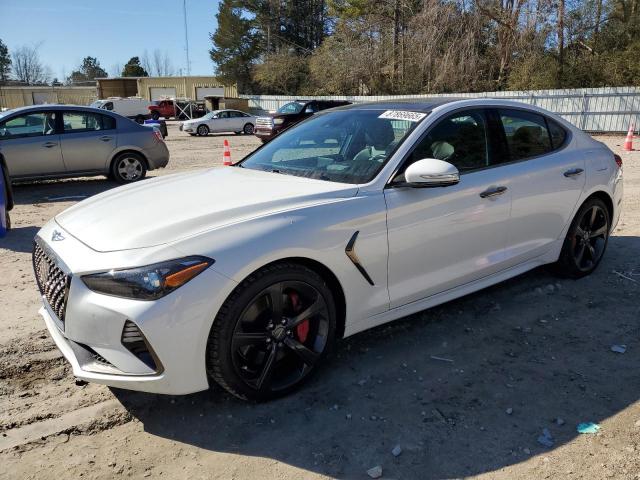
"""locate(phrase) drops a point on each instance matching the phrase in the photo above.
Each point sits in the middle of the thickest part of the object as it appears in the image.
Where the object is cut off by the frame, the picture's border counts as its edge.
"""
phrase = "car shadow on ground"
(538, 345)
(68, 190)
(19, 239)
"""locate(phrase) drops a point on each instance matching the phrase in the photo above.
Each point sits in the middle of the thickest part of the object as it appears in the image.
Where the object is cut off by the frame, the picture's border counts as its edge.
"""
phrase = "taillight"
(158, 135)
(618, 160)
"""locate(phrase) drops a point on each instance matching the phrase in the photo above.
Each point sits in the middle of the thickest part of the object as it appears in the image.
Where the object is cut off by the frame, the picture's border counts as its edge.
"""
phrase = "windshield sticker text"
(402, 115)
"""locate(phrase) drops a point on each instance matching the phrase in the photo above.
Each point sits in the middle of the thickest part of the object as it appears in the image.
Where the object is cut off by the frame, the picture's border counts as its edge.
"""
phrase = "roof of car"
(53, 106)
(412, 104)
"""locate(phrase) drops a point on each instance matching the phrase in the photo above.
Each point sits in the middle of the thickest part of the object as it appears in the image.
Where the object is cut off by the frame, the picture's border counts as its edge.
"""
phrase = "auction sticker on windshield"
(403, 115)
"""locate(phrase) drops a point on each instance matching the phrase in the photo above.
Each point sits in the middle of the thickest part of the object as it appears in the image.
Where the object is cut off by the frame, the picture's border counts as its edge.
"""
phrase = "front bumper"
(175, 327)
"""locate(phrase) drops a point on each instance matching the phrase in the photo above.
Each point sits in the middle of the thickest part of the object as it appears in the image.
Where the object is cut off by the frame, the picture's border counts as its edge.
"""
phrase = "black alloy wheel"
(586, 240)
(278, 336)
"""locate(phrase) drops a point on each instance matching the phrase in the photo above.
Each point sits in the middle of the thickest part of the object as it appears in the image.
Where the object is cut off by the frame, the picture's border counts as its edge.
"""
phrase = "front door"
(222, 123)
(31, 145)
(442, 237)
(88, 140)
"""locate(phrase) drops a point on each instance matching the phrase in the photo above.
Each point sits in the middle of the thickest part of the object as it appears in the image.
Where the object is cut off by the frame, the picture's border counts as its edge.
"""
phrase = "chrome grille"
(264, 122)
(52, 281)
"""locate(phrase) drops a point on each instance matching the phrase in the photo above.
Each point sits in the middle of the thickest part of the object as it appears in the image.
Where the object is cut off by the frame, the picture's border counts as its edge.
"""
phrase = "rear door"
(88, 140)
(237, 120)
(546, 181)
(30, 144)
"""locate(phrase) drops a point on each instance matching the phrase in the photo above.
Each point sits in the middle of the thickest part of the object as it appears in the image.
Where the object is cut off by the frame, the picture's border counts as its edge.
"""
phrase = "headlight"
(150, 282)
(278, 121)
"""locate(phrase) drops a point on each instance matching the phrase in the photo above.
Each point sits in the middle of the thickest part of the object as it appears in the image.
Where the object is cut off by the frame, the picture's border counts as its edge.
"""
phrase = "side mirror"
(430, 172)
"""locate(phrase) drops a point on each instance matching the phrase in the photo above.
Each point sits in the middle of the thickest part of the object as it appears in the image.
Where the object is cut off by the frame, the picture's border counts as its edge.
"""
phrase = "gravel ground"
(529, 354)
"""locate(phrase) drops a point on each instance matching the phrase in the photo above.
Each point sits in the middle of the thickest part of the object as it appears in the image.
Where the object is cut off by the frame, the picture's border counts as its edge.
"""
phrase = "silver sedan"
(220, 121)
(58, 141)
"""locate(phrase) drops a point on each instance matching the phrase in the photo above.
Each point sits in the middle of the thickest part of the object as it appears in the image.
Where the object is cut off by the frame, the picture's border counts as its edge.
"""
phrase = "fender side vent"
(349, 250)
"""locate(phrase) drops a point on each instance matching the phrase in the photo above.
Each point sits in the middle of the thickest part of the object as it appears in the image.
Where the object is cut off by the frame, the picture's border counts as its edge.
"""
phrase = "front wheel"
(128, 167)
(586, 240)
(272, 333)
(248, 129)
(155, 115)
(203, 130)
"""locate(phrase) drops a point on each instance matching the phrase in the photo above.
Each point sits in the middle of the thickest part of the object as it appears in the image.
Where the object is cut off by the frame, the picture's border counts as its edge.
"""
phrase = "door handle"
(493, 192)
(574, 172)
(49, 144)
(105, 138)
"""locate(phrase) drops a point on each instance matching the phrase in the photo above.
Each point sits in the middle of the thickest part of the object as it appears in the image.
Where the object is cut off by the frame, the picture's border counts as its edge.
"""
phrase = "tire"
(251, 353)
(586, 240)
(248, 129)
(155, 115)
(202, 130)
(7, 220)
(128, 167)
(140, 119)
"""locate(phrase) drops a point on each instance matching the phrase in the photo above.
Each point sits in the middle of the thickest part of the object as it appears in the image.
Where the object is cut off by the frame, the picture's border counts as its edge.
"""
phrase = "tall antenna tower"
(186, 36)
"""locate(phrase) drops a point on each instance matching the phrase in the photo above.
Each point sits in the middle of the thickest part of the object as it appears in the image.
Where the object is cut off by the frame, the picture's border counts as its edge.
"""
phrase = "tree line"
(361, 47)
(25, 66)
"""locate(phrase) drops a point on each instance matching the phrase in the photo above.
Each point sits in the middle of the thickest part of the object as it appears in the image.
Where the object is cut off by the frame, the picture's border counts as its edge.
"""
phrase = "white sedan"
(220, 121)
(248, 275)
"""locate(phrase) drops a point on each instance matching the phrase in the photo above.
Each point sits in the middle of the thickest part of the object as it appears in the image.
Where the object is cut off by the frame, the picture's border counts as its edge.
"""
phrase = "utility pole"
(186, 36)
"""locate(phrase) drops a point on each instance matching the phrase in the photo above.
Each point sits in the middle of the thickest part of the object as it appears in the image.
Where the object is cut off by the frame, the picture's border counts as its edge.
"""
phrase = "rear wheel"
(155, 115)
(586, 240)
(272, 333)
(128, 167)
(203, 130)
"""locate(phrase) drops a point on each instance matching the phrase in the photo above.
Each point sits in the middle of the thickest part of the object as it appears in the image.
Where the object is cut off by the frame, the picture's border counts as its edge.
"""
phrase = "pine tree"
(133, 68)
(88, 71)
(235, 46)
(5, 62)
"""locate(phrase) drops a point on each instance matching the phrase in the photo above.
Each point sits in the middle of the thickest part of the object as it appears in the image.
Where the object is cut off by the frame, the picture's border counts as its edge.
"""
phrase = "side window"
(558, 134)
(108, 106)
(526, 133)
(223, 115)
(29, 125)
(75, 122)
(311, 107)
(108, 123)
(460, 139)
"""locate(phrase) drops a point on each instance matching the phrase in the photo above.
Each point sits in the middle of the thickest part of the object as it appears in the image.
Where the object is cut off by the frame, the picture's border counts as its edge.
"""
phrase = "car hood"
(173, 207)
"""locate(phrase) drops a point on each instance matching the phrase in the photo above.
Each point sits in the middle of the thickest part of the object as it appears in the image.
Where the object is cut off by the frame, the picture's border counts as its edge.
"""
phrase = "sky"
(111, 30)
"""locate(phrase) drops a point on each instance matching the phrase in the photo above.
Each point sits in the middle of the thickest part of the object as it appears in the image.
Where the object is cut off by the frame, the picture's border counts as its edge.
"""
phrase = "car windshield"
(210, 115)
(348, 146)
(293, 107)
(96, 104)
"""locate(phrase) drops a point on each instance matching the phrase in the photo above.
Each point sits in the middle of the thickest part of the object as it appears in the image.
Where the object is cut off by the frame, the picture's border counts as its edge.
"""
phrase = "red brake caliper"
(302, 330)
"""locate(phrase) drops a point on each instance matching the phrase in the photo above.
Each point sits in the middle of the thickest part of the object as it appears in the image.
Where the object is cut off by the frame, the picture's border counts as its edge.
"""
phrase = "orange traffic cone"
(628, 143)
(226, 156)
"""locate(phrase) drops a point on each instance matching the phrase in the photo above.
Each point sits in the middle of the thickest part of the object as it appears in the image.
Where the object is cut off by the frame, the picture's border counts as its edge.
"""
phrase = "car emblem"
(56, 236)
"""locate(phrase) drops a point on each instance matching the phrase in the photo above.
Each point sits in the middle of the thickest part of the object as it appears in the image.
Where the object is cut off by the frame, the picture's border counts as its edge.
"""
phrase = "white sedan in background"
(248, 275)
(220, 121)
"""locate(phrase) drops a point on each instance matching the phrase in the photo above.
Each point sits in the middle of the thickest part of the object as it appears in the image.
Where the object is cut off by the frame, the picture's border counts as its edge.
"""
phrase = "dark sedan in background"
(290, 114)
(57, 141)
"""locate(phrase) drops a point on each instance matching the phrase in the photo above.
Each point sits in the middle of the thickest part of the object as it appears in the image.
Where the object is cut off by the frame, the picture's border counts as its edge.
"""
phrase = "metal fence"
(601, 110)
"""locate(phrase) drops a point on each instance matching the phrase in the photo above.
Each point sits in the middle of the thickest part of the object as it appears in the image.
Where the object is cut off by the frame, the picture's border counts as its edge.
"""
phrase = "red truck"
(168, 109)
(163, 108)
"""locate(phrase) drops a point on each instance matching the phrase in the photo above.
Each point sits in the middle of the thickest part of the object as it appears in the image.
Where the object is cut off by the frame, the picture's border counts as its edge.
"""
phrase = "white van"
(136, 108)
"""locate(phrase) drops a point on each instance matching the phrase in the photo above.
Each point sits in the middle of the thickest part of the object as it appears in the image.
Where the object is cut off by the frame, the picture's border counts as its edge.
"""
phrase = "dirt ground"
(530, 354)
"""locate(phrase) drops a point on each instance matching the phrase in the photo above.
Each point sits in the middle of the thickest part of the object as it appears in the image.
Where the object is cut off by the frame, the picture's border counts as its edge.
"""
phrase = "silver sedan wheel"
(129, 168)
